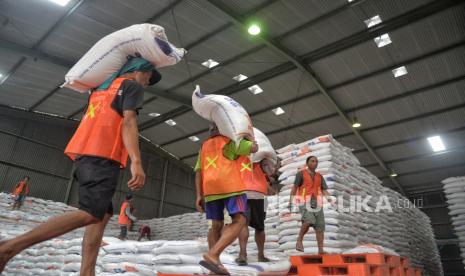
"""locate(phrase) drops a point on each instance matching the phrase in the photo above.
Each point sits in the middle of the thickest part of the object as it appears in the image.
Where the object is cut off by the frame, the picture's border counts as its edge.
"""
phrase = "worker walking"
(100, 147)
(219, 185)
(310, 186)
(20, 192)
(257, 186)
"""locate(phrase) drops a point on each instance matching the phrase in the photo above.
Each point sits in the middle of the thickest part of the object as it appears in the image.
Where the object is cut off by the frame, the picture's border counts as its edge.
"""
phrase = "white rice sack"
(167, 259)
(148, 246)
(110, 53)
(265, 149)
(182, 269)
(371, 248)
(230, 117)
(281, 266)
(72, 267)
(186, 247)
(122, 247)
(129, 267)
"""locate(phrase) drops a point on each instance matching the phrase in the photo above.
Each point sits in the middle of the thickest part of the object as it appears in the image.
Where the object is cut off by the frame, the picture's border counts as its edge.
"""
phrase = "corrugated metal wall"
(32, 144)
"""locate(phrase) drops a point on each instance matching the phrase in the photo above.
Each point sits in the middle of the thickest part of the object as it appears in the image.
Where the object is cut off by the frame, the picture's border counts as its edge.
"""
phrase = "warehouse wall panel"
(32, 144)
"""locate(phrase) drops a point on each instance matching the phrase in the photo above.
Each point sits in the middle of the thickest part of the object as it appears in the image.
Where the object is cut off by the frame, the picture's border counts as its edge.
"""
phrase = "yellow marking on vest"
(211, 162)
(92, 110)
(247, 166)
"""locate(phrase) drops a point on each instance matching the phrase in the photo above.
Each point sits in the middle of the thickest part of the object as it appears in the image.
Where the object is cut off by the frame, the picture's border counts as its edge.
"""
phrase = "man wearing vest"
(20, 192)
(219, 184)
(257, 186)
(310, 186)
(126, 219)
(100, 147)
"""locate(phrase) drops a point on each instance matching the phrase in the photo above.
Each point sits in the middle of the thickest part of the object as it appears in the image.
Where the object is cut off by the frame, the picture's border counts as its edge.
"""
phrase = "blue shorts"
(21, 198)
(235, 204)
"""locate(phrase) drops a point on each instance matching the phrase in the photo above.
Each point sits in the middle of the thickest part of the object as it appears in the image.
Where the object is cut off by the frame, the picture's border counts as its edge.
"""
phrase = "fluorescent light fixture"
(210, 63)
(170, 122)
(356, 123)
(375, 20)
(194, 138)
(154, 114)
(392, 173)
(255, 89)
(240, 77)
(382, 40)
(1, 75)
(278, 111)
(60, 2)
(350, 1)
(254, 29)
(436, 143)
(400, 71)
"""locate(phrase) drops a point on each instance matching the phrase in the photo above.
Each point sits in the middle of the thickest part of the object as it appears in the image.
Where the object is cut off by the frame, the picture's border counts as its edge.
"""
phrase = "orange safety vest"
(123, 218)
(20, 188)
(310, 187)
(99, 133)
(253, 176)
(219, 174)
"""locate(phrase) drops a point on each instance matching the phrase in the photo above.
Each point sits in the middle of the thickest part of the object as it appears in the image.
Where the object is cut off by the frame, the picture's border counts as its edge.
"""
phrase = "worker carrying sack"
(229, 116)
(110, 53)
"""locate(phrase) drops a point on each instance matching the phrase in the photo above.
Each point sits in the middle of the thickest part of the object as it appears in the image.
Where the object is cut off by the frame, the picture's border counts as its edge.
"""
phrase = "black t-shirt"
(130, 97)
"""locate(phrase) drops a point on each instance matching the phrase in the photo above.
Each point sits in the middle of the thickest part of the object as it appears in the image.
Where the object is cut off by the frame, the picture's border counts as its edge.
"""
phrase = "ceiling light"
(170, 122)
(375, 20)
(382, 40)
(356, 123)
(392, 173)
(436, 143)
(255, 89)
(400, 71)
(154, 114)
(1, 75)
(254, 29)
(210, 63)
(60, 2)
(240, 77)
(350, 1)
(194, 138)
(278, 111)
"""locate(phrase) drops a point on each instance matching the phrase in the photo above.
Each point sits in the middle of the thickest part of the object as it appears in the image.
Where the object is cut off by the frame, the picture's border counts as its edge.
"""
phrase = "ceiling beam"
(390, 25)
(162, 118)
(419, 156)
(454, 46)
(37, 44)
(12, 71)
(424, 115)
(413, 139)
(408, 119)
(427, 170)
(384, 27)
(370, 104)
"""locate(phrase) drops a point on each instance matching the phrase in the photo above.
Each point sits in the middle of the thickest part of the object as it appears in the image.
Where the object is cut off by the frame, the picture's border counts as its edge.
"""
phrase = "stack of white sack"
(110, 53)
(62, 255)
(366, 212)
(454, 188)
(229, 116)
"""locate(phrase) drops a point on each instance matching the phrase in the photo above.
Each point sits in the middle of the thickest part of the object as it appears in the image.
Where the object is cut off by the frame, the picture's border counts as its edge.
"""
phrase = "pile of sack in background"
(454, 188)
(394, 228)
(62, 255)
